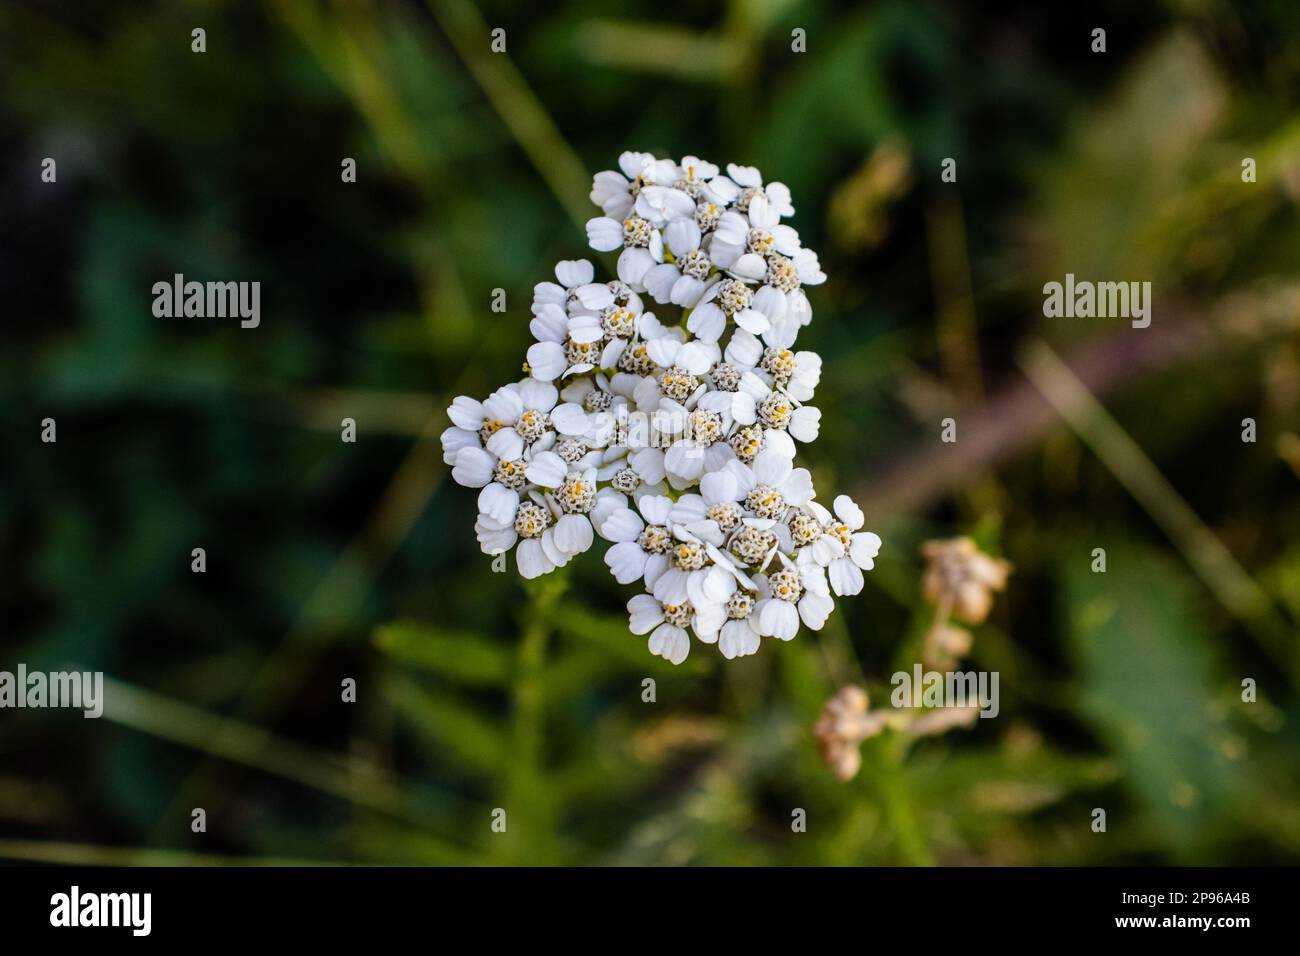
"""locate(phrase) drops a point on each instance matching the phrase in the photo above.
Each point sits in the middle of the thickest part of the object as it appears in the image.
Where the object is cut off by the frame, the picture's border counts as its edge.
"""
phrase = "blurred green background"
(328, 561)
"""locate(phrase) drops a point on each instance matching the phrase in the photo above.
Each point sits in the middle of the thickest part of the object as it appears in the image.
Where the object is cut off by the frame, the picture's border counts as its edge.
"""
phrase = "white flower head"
(671, 437)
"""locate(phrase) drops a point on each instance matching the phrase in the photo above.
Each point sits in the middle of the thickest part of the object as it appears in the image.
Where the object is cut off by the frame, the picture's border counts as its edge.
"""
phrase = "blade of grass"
(251, 746)
(517, 105)
(1226, 579)
(656, 48)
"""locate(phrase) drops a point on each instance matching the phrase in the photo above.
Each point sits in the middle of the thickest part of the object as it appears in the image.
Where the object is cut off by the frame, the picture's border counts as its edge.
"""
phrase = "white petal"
(708, 531)
(827, 549)
(595, 296)
(721, 190)
(608, 501)
(749, 266)
(707, 321)
(551, 324)
(532, 559)
(751, 320)
(649, 464)
(538, 395)
(797, 486)
(737, 639)
(719, 585)
(845, 577)
(805, 423)
(686, 510)
(644, 614)
(454, 439)
(604, 234)
(622, 525)
(634, 163)
(771, 302)
(570, 419)
(552, 551)
(744, 175)
(663, 350)
(633, 264)
(646, 396)
(785, 238)
(778, 194)
(771, 468)
(504, 404)
(671, 643)
(498, 502)
(547, 360)
(627, 561)
(778, 443)
(607, 188)
(573, 534)
(466, 413)
(495, 540)
(655, 566)
(718, 487)
(659, 281)
(683, 235)
(783, 331)
(863, 548)
(687, 292)
(671, 587)
(506, 444)
(777, 618)
(848, 512)
(474, 467)
(656, 508)
(814, 609)
(660, 204)
(761, 213)
(574, 272)
(548, 293)
(744, 349)
(585, 328)
(547, 469)
(684, 460)
(707, 620)
(718, 455)
(697, 357)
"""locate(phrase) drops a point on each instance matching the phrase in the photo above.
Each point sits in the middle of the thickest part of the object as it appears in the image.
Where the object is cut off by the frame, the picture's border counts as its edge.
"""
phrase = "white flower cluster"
(661, 439)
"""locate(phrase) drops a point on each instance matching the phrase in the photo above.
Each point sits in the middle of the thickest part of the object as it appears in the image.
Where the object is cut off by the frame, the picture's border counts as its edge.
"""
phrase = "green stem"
(891, 783)
(527, 806)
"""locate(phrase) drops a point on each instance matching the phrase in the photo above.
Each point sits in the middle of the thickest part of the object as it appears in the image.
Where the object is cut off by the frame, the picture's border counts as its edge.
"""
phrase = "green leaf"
(453, 727)
(1142, 648)
(612, 636)
(462, 656)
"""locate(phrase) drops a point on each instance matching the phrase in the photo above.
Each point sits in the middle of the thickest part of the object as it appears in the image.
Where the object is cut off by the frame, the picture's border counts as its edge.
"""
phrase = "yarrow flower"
(846, 721)
(671, 434)
(963, 578)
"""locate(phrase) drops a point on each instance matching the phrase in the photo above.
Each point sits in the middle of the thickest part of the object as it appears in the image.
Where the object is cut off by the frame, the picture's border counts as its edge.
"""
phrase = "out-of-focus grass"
(329, 561)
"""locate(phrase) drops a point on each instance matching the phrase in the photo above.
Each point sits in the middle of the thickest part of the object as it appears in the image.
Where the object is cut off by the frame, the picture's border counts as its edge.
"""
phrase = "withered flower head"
(947, 644)
(843, 725)
(961, 576)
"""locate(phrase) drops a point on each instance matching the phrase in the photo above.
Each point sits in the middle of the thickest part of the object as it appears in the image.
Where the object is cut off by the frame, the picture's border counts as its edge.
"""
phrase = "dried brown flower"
(961, 577)
(945, 645)
(844, 723)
